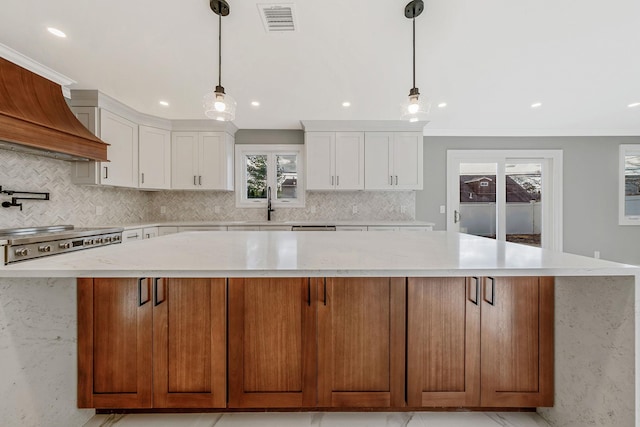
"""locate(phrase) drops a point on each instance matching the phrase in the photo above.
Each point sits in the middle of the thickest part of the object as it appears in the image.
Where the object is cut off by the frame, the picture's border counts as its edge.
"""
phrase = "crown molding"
(42, 70)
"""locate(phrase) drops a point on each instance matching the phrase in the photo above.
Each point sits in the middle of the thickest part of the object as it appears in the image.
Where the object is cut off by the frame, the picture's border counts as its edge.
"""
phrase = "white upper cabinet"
(202, 161)
(393, 161)
(122, 168)
(335, 160)
(122, 135)
(154, 158)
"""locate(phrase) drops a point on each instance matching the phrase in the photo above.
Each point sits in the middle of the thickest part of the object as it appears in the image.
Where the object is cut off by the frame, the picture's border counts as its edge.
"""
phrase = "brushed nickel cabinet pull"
(332, 180)
(325, 291)
(337, 180)
(396, 179)
(106, 172)
(309, 292)
(390, 179)
(194, 180)
(199, 179)
(143, 177)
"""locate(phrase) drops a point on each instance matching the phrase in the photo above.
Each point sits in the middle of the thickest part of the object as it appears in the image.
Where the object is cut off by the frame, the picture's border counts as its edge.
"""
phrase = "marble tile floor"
(326, 419)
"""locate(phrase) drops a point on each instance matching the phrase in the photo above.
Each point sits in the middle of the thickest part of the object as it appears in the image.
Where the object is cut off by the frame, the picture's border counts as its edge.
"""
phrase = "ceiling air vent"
(278, 17)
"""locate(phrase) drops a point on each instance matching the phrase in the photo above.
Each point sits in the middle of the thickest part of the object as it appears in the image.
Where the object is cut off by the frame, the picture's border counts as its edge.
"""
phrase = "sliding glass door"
(510, 195)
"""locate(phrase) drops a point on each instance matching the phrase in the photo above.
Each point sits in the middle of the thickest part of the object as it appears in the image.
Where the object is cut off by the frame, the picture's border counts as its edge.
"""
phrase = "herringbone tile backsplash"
(76, 204)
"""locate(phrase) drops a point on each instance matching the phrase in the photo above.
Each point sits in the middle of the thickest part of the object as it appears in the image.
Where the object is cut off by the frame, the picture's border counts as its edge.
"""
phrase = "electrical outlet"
(355, 209)
(99, 210)
(596, 254)
(163, 210)
(216, 209)
(403, 209)
(312, 209)
(443, 209)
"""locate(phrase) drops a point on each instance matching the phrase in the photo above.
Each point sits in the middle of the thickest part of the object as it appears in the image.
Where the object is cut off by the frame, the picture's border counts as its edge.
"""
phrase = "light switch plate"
(443, 209)
(99, 210)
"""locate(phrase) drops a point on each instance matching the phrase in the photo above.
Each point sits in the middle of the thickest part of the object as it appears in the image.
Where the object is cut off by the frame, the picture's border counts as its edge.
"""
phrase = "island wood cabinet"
(202, 161)
(151, 343)
(480, 342)
(335, 160)
(299, 342)
(314, 343)
(393, 160)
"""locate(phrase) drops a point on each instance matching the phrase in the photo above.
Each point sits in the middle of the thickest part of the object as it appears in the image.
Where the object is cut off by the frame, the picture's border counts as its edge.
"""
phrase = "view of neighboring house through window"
(629, 192)
(260, 167)
(497, 195)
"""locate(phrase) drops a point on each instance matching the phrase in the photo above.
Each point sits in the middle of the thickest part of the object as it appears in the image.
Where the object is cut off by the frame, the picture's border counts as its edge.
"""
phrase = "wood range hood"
(35, 118)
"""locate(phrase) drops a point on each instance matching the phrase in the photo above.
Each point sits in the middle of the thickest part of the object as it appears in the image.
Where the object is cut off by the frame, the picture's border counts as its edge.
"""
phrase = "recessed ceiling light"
(164, 103)
(634, 105)
(255, 103)
(442, 105)
(346, 104)
(56, 32)
(536, 105)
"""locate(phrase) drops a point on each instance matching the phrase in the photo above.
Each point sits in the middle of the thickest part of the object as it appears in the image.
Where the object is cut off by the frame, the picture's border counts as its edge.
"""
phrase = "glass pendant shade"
(415, 108)
(219, 106)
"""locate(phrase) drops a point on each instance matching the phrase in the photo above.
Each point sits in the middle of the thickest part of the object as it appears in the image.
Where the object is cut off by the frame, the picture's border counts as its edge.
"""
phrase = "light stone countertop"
(315, 254)
(276, 223)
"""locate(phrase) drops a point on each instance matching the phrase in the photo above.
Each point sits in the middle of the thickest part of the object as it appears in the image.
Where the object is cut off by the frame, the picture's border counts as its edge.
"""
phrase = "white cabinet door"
(184, 160)
(349, 160)
(154, 158)
(320, 155)
(215, 161)
(202, 161)
(407, 161)
(335, 160)
(393, 161)
(378, 147)
(131, 235)
(122, 134)
(149, 232)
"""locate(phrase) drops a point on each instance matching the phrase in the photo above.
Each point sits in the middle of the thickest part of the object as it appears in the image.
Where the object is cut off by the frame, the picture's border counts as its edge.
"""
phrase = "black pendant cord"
(414, 52)
(220, 50)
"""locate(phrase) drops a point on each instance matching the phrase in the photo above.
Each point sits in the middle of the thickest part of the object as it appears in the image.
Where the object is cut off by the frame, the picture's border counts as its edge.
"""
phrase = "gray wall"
(590, 176)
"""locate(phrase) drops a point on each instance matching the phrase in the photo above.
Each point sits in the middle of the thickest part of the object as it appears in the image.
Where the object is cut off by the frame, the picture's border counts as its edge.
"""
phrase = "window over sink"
(263, 167)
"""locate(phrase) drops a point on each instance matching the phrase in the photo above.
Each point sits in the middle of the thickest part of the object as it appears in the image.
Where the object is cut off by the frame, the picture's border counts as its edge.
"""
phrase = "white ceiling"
(488, 60)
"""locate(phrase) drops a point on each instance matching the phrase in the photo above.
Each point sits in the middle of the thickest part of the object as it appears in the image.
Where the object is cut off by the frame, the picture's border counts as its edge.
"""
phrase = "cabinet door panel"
(407, 161)
(517, 342)
(349, 152)
(320, 155)
(378, 173)
(184, 160)
(189, 343)
(122, 134)
(272, 351)
(114, 342)
(361, 330)
(443, 342)
(211, 175)
(155, 158)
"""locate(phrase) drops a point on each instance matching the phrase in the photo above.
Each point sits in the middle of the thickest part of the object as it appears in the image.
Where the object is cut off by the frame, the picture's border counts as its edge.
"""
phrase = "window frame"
(271, 151)
(623, 218)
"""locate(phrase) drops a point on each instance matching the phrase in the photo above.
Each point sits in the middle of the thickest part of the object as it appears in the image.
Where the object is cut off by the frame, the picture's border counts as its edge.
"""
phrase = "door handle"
(477, 287)
(143, 297)
(493, 291)
(157, 290)
(456, 217)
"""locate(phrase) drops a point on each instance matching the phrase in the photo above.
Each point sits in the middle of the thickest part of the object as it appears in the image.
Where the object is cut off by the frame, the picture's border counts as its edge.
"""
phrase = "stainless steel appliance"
(35, 242)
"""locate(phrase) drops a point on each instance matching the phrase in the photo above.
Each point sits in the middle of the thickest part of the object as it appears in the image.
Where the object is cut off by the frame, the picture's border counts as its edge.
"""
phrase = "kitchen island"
(594, 299)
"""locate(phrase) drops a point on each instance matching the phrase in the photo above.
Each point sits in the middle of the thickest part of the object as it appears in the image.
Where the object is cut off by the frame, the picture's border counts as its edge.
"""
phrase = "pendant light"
(415, 108)
(217, 104)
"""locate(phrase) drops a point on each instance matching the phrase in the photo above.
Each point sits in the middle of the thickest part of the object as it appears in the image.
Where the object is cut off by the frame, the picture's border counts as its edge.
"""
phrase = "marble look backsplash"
(77, 204)
(69, 203)
(220, 206)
